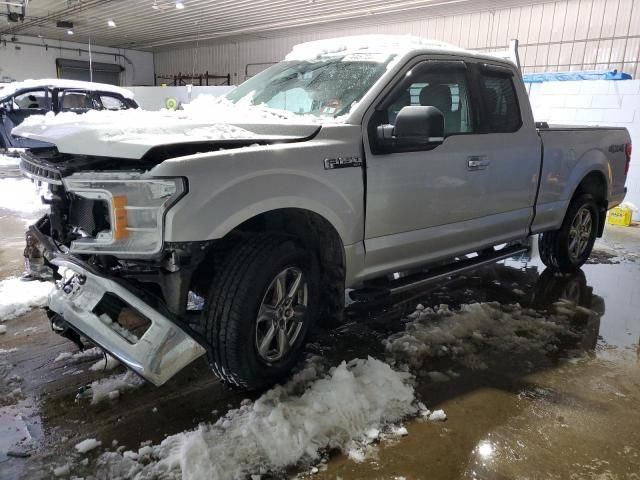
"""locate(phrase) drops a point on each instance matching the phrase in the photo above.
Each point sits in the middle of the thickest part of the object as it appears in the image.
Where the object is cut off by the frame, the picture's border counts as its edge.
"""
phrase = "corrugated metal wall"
(554, 36)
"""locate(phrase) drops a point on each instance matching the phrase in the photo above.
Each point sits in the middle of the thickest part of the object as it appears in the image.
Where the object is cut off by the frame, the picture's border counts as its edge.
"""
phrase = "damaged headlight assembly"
(136, 208)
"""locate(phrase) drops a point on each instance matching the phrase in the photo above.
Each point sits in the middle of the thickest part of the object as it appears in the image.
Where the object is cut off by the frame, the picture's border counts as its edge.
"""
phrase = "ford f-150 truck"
(363, 165)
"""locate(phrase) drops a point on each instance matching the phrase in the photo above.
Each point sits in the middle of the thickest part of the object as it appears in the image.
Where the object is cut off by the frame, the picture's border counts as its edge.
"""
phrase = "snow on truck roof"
(366, 44)
(13, 87)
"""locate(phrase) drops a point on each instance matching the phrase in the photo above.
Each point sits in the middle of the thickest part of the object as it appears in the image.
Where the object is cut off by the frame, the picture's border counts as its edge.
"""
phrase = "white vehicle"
(365, 159)
(21, 100)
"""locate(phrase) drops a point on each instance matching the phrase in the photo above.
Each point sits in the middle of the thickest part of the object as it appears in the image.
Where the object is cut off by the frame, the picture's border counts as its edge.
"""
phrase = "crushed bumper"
(158, 354)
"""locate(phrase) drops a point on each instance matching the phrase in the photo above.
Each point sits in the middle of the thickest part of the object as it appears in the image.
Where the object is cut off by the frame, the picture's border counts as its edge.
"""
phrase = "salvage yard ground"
(506, 372)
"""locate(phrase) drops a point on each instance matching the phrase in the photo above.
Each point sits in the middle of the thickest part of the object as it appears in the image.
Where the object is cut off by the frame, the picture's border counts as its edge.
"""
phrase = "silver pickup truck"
(369, 168)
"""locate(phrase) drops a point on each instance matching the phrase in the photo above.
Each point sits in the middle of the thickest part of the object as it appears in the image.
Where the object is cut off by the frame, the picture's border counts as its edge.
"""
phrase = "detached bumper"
(158, 354)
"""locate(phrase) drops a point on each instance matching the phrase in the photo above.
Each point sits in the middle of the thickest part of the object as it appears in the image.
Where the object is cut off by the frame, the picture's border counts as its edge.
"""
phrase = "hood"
(132, 134)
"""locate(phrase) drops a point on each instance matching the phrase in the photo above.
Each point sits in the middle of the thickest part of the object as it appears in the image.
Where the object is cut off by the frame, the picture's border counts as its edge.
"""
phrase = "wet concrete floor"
(563, 413)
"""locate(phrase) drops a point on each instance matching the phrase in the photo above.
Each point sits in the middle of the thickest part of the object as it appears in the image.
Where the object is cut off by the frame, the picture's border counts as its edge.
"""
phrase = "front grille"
(38, 169)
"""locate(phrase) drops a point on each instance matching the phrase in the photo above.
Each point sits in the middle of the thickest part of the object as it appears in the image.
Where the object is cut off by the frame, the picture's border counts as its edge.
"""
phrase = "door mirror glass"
(414, 126)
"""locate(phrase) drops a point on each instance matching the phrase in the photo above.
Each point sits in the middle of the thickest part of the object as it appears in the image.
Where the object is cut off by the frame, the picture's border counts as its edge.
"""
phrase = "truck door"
(430, 203)
(23, 105)
(509, 180)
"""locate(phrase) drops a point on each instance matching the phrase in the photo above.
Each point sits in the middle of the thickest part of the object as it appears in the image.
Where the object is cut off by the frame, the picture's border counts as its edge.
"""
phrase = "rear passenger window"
(501, 103)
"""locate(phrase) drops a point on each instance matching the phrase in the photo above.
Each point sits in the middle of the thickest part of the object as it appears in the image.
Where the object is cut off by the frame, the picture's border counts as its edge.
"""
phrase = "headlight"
(136, 209)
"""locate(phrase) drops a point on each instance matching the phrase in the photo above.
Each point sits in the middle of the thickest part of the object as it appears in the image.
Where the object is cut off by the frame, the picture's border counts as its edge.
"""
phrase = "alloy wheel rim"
(580, 233)
(281, 314)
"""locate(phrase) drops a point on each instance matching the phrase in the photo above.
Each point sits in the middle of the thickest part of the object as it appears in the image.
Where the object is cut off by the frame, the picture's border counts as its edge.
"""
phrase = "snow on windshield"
(327, 87)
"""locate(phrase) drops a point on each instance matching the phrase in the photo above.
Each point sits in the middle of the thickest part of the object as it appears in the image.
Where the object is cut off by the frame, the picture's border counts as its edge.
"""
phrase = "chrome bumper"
(162, 351)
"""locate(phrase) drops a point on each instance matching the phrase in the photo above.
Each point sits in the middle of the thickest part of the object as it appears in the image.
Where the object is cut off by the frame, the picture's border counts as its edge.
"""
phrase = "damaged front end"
(118, 283)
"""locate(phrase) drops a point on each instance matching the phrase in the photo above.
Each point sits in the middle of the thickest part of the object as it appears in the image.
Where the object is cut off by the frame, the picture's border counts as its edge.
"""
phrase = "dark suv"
(23, 99)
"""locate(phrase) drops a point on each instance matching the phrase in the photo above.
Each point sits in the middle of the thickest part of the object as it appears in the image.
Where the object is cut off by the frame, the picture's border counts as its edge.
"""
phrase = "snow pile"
(6, 161)
(362, 44)
(89, 353)
(107, 363)
(287, 425)
(87, 445)
(104, 388)
(473, 330)
(18, 297)
(21, 195)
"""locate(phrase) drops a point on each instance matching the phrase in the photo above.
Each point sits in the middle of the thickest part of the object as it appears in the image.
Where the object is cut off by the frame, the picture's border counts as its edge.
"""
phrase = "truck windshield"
(320, 87)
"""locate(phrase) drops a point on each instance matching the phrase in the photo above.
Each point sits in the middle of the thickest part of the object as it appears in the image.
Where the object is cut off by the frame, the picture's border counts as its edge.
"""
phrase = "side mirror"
(415, 126)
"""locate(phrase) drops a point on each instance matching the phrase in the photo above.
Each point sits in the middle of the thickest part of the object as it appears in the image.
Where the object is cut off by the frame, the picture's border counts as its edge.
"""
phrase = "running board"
(418, 280)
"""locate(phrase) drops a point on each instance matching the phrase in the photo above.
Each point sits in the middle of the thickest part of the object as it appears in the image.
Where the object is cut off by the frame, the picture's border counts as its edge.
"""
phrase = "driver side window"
(441, 87)
(32, 100)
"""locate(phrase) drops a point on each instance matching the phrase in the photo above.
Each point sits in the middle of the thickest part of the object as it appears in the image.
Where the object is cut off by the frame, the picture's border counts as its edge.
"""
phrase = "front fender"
(229, 187)
(214, 215)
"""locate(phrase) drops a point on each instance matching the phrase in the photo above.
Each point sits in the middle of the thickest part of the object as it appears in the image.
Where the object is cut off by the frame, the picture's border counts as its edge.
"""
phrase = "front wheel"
(569, 247)
(261, 306)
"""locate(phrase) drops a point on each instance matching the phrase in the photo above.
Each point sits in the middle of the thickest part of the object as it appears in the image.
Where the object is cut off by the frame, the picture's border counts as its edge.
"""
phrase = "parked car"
(409, 162)
(20, 100)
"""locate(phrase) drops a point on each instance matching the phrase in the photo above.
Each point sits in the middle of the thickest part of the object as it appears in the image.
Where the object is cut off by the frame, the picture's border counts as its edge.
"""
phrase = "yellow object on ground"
(620, 215)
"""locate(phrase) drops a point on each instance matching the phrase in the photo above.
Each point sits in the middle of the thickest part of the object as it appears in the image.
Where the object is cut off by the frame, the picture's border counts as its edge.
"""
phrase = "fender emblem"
(342, 162)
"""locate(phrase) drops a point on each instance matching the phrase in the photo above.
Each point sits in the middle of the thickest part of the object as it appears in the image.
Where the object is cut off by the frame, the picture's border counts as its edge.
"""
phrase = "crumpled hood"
(131, 134)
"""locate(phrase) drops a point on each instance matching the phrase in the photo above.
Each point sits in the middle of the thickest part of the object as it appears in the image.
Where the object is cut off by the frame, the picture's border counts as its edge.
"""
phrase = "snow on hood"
(132, 133)
(363, 44)
(13, 87)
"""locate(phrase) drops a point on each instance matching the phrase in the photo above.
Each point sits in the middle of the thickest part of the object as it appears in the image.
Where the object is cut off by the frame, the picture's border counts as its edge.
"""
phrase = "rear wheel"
(569, 247)
(260, 309)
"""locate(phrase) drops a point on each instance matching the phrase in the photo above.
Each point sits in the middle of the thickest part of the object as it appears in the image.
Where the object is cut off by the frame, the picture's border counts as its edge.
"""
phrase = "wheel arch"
(594, 183)
(311, 231)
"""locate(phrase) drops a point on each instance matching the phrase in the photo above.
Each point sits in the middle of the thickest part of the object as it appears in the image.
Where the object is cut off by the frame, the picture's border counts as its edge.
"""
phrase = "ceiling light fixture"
(111, 23)
(179, 4)
(69, 32)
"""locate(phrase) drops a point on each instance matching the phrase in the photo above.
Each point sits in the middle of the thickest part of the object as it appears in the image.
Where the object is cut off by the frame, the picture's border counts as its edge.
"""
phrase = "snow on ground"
(475, 329)
(8, 161)
(89, 353)
(288, 425)
(104, 388)
(87, 445)
(18, 297)
(21, 195)
(106, 363)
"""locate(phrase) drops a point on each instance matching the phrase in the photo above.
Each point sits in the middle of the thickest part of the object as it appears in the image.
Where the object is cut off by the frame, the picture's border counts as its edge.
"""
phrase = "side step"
(376, 290)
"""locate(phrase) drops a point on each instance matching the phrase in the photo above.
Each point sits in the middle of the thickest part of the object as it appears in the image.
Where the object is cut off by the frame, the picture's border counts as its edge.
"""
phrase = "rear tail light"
(627, 152)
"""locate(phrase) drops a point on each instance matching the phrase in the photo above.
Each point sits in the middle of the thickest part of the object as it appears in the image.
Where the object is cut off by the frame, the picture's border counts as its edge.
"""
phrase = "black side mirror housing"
(415, 126)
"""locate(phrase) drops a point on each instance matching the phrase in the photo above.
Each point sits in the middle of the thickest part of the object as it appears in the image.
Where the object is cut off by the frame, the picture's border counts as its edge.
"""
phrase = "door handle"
(477, 162)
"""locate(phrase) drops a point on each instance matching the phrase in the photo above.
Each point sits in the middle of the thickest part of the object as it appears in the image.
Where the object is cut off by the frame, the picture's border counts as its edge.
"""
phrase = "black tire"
(556, 247)
(234, 300)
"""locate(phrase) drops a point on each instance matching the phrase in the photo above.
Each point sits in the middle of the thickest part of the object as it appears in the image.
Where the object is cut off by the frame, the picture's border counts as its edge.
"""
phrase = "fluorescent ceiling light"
(111, 23)
(179, 5)
(69, 32)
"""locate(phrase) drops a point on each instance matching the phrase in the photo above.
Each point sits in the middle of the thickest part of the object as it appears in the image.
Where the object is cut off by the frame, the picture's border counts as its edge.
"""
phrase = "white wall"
(21, 62)
(154, 98)
(555, 36)
(598, 102)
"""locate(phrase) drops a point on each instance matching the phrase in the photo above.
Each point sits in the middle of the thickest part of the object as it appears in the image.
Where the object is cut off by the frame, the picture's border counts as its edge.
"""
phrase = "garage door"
(79, 70)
